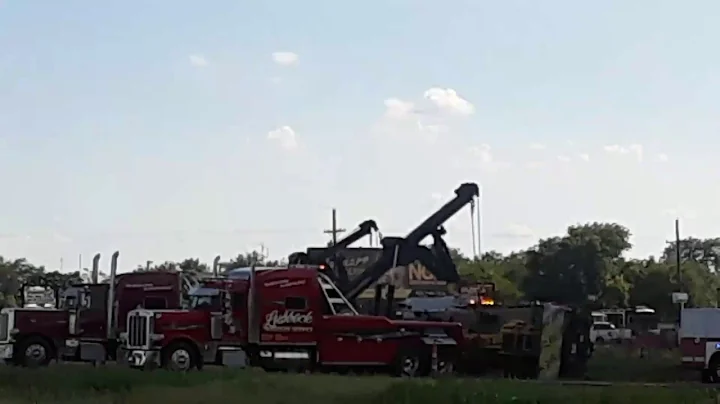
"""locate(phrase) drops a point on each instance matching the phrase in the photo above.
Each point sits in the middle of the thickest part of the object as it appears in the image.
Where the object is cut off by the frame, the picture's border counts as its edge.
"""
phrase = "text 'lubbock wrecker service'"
(284, 318)
(87, 319)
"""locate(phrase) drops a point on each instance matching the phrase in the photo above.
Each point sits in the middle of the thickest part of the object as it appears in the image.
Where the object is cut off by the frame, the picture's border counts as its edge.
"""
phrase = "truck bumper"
(139, 358)
(6, 351)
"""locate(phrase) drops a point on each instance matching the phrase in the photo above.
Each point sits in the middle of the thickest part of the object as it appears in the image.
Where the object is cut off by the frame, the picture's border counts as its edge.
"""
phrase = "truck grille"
(4, 326)
(139, 330)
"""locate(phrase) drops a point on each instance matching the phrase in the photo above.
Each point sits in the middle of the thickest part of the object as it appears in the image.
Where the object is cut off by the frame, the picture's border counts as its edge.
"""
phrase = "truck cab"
(284, 318)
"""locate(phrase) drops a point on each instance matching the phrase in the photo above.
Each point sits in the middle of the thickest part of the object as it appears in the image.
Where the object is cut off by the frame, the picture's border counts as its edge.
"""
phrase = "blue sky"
(146, 126)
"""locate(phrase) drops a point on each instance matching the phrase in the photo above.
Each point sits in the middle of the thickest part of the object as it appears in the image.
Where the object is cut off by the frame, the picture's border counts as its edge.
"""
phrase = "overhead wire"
(472, 227)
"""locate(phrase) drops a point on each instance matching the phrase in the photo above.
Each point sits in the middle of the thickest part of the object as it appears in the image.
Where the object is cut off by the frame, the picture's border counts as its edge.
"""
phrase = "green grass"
(74, 384)
(617, 363)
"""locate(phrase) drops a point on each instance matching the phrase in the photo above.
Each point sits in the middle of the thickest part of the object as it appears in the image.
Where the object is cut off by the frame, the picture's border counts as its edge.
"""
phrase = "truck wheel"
(446, 367)
(179, 357)
(599, 340)
(34, 352)
(410, 363)
(713, 370)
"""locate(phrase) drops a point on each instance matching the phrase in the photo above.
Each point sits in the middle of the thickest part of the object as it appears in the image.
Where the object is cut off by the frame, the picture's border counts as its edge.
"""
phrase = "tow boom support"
(365, 228)
(403, 251)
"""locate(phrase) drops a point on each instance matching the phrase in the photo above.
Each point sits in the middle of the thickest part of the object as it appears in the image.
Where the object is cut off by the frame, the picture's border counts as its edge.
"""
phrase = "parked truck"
(87, 319)
(303, 317)
(284, 318)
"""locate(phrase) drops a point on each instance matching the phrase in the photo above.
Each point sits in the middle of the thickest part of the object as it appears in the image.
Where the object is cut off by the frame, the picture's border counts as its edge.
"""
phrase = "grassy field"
(71, 384)
(618, 364)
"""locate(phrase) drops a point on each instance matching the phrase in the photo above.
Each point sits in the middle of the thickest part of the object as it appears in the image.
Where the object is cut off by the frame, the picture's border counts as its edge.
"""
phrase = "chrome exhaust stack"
(95, 271)
(216, 266)
(111, 312)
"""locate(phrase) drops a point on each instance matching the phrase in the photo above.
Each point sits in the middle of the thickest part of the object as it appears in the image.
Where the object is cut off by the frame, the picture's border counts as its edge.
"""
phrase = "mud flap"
(121, 356)
(92, 352)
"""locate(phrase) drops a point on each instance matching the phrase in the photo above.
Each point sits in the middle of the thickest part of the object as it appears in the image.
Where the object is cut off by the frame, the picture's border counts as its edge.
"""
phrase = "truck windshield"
(204, 299)
(68, 302)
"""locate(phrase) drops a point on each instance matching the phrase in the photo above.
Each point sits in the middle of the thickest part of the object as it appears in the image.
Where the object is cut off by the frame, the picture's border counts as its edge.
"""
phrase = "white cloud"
(398, 109)
(429, 116)
(198, 60)
(285, 136)
(448, 100)
(662, 157)
(635, 149)
(563, 159)
(285, 58)
(537, 146)
(638, 150)
(584, 157)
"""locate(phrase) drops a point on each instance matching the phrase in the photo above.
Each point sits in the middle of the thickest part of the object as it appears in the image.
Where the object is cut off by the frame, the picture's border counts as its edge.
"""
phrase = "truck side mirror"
(227, 312)
(84, 299)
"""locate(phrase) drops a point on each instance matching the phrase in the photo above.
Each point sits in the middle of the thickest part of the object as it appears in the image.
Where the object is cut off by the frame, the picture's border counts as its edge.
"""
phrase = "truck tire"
(712, 373)
(411, 362)
(179, 357)
(599, 340)
(34, 352)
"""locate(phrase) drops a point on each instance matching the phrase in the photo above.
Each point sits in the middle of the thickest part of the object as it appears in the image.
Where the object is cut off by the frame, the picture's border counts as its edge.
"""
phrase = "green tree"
(582, 264)
(704, 251)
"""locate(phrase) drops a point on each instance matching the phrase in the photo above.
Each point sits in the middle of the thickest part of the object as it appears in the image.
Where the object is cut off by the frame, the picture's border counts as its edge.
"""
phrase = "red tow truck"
(284, 318)
(87, 318)
(302, 317)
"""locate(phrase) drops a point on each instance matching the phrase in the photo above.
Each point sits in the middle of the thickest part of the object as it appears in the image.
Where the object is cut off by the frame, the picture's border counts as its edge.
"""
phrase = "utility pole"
(334, 231)
(677, 253)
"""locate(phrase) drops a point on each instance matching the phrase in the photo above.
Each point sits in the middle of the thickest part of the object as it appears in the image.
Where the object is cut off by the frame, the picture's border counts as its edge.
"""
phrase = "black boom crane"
(365, 228)
(402, 251)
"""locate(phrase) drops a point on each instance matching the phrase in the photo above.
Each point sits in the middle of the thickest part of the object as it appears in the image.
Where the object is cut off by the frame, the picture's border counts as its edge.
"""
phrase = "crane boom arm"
(463, 196)
(403, 251)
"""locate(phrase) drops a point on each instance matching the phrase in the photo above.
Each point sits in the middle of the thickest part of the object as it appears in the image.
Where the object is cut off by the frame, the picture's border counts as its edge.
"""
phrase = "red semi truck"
(284, 318)
(302, 317)
(87, 319)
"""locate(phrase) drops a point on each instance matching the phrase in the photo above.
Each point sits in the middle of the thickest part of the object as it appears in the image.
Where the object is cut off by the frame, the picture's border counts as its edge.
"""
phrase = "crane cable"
(479, 224)
(472, 227)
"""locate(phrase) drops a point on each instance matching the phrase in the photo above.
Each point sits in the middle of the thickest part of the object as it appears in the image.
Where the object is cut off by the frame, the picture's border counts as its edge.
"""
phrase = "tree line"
(588, 263)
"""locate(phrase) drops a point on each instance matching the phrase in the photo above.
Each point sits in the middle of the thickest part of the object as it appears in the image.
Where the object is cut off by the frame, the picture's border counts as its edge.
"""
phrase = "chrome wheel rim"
(410, 365)
(180, 360)
(36, 353)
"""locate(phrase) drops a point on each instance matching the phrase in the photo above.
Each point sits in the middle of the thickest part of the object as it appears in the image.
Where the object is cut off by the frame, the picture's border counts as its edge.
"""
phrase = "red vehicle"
(700, 341)
(284, 318)
(87, 318)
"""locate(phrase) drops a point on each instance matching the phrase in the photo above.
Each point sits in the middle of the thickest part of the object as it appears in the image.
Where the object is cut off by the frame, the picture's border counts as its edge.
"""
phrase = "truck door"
(92, 313)
(345, 341)
(227, 317)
